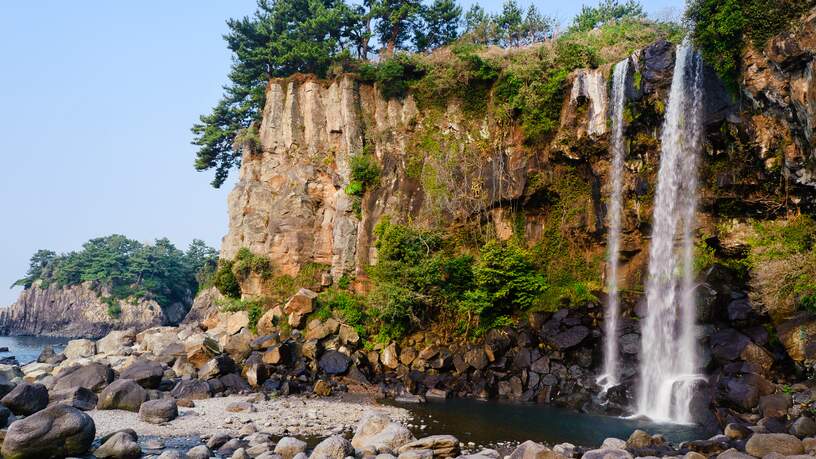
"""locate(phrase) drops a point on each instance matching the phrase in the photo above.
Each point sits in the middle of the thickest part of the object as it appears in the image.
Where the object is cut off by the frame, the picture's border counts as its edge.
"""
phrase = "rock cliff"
(77, 311)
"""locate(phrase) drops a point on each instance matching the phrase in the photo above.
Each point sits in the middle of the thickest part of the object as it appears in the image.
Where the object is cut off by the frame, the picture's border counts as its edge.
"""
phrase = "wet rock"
(440, 445)
(728, 344)
(57, 431)
(639, 440)
(570, 337)
(159, 411)
(289, 447)
(122, 394)
(334, 363)
(334, 447)
(146, 373)
(26, 399)
(119, 446)
(630, 344)
(93, 376)
(172, 454)
(761, 444)
(192, 389)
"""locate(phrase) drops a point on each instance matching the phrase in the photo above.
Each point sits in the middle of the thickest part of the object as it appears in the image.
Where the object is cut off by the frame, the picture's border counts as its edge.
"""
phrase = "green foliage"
(225, 280)
(246, 263)
(507, 273)
(437, 25)
(126, 268)
(348, 307)
(511, 27)
(365, 174)
(592, 17)
(393, 75)
(254, 308)
(722, 28)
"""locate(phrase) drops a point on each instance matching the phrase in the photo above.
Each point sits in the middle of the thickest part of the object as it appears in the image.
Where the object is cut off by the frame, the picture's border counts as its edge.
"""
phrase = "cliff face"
(77, 311)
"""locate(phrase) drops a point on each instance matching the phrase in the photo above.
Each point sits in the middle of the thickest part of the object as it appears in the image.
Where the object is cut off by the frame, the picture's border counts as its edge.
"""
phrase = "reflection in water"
(28, 348)
(491, 422)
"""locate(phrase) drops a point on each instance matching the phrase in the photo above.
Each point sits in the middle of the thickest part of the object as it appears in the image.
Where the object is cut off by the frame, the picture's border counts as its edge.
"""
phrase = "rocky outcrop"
(75, 311)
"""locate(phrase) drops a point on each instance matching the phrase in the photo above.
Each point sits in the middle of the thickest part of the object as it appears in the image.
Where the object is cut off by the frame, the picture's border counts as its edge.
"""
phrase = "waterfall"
(668, 363)
(611, 372)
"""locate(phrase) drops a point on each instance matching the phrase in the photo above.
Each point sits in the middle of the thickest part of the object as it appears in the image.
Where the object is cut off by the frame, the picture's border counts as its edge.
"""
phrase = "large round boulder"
(94, 376)
(193, 389)
(146, 373)
(761, 444)
(26, 399)
(78, 397)
(121, 445)
(159, 411)
(123, 394)
(334, 447)
(334, 363)
(55, 432)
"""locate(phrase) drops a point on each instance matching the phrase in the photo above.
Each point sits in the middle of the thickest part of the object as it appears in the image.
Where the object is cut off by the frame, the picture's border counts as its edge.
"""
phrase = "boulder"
(737, 431)
(47, 355)
(300, 306)
(348, 335)
(159, 411)
(220, 365)
(803, 427)
(146, 373)
(440, 445)
(199, 452)
(376, 433)
(322, 388)
(571, 337)
(93, 376)
(120, 445)
(639, 439)
(318, 329)
(171, 454)
(78, 397)
(192, 389)
(116, 342)
(238, 346)
(26, 399)
(57, 431)
(122, 394)
(201, 349)
(267, 324)
(607, 453)
(334, 363)
(334, 447)
(733, 454)
(761, 444)
(774, 405)
(532, 450)
(255, 370)
(390, 356)
(728, 344)
(236, 321)
(79, 348)
(289, 447)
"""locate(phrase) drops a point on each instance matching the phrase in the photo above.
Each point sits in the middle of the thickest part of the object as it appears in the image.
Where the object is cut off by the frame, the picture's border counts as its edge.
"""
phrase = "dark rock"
(26, 399)
(630, 344)
(47, 355)
(727, 344)
(57, 431)
(119, 446)
(78, 397)
(217, 366)
(570, 337)
(740, 392)
(192, 389)
(159, 411)
(476, 358)
(658, 64)
(234, 383)
(5, 415)
(739, 310)
(334, 363)
(775, 406)
(146, 373)
(94, 376)
(122, 394)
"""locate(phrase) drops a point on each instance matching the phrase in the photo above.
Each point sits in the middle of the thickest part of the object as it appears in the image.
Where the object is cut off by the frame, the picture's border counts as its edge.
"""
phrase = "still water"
(486, 423)
(28, 348)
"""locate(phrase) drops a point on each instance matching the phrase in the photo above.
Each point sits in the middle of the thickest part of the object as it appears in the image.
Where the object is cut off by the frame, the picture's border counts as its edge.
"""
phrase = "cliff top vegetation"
(124, 268)
(414, 45)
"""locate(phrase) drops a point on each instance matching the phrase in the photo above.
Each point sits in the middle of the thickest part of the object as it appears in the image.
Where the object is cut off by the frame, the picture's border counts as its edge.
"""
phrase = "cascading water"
(611, 371)
(668, 363)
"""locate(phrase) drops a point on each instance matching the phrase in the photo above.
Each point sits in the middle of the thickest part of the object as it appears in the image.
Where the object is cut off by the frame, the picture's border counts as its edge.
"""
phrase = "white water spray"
(611, 368)
(668, 360)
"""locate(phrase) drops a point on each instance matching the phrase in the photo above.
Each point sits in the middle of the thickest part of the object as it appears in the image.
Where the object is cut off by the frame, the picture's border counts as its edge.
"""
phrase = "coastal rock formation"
(76, 311)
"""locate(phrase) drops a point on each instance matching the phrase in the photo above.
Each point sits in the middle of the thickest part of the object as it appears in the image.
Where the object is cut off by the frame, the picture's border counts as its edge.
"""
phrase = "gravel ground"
(291, 415)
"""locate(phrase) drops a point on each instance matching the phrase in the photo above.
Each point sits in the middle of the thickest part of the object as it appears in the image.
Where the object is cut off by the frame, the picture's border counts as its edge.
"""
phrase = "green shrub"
(247, 263)
(225, 280)
(348, 307)
(393, 75)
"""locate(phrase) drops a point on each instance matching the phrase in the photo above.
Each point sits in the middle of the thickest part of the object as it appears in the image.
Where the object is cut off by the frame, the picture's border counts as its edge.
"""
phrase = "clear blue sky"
(96, 101)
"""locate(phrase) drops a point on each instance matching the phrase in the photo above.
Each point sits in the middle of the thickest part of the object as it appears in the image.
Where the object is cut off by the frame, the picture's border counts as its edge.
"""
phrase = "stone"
(349, 336)
(322, 388)
(235, 321)
(276, 355)
(804, 426)
(289, 447)
(201, 349)
(220, 365)
(119, 446)
(733, 454)
(47, 355)
(774, 405)
(93, 376)
(192, 389)
(483, 454)
(694, 455)
(376, 433)
(613, 443)
(737, 431)
(571, 337)
(440, 445)
(639, 439)
(172, 454)
(238, 346)
(334, 363)
(532, 450)
(78, 397)
(218, 440)
(79, 348)
(240, 407)
(761, 444)
(318, 329)
(607, 453)
(199, 452)
(728, 344)
(159, 411)
(416, 454)
(146, 373)
(265, 342)
(476, 358)
(116, 342)
(122, 394)
(267, 322)
(57, 431)
(630, 344)
(334, 447)
(255, 370)
(234, 383)
(390, 357)
(240, 453)
(26, 399)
